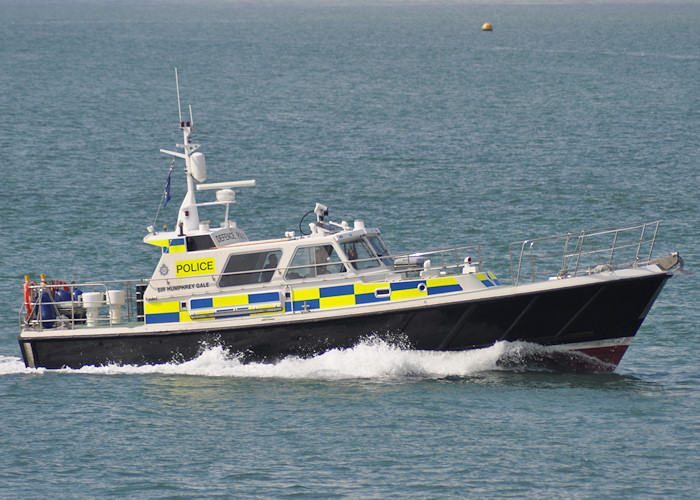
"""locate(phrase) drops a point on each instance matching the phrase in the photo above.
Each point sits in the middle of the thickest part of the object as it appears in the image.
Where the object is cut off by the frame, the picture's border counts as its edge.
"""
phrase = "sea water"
(569, 115)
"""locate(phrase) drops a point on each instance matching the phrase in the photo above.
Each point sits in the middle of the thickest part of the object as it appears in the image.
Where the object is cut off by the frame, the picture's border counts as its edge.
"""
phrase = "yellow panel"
(233, 300)
(185, 316)
(194, 267)
(481, 276)
(178, 249)
(362, 288)
(310, 294)
(441, 282)
(408, 294)
(161, 307)
(340, 300)
(159, 243)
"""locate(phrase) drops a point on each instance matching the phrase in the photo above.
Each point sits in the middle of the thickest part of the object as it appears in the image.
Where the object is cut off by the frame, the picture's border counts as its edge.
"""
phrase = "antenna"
(191, 120)
(177, 85)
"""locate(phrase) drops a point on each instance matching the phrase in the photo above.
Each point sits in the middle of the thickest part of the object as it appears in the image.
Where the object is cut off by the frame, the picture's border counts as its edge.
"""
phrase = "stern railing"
(54, 304)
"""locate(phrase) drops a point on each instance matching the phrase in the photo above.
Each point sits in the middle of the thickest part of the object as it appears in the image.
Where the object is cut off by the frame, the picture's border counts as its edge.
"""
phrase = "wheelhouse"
(297, 260)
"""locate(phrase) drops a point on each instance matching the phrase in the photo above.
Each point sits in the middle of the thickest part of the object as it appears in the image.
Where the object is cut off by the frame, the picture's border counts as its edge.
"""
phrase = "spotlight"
(321, 211)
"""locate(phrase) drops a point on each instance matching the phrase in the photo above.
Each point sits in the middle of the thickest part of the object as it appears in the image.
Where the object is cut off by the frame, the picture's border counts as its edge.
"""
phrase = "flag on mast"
(166, 194)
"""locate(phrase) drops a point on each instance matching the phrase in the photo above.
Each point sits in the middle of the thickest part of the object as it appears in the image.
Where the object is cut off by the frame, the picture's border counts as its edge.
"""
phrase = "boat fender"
(47, 313)
(61, 295)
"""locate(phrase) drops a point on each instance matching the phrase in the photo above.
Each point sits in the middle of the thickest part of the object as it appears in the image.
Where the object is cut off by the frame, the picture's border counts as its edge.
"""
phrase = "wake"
(370, 359)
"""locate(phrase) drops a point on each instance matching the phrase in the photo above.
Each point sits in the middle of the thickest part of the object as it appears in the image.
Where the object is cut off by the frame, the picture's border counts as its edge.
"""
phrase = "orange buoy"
(487, 27)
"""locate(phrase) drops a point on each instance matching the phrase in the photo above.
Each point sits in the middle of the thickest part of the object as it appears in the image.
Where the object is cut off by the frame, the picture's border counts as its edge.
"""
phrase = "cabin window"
(359, 255)
(380, 250)
(203, 242)
(309, 262)
(248, 268)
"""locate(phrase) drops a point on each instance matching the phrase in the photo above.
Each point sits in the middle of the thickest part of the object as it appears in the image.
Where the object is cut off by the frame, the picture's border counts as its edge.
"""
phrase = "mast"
(196, 174)
(188, 216)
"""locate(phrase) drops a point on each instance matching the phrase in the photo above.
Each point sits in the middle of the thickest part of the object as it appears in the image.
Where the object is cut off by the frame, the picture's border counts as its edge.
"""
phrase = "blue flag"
(166, 194)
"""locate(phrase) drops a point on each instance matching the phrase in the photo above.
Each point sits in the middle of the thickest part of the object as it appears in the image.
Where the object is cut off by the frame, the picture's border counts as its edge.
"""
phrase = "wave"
(11, 364)
(370, 359)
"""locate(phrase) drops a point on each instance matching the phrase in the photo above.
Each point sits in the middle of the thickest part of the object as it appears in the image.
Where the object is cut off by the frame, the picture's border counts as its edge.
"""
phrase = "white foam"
(10, 365)
(371, 359)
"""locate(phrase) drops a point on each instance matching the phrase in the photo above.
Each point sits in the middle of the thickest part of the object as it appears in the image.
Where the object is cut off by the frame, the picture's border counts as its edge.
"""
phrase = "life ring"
(28, 297)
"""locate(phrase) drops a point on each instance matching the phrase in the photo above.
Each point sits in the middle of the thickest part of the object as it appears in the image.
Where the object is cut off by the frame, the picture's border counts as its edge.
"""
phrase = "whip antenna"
(177, 85)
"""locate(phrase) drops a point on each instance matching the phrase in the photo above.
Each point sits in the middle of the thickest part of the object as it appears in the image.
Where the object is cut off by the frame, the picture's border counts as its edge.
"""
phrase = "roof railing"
(439, 262)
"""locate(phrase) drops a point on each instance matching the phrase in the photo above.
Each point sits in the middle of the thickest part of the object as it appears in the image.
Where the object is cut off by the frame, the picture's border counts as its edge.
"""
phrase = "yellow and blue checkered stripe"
(238, 304)
(163, 312)
(174, 245)
(170, 312)
(488, 279)
(308, 299)
(350, 295)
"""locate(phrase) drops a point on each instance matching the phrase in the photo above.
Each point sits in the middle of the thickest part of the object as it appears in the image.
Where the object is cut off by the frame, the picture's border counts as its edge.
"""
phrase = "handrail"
(447, 260)
(592, 251)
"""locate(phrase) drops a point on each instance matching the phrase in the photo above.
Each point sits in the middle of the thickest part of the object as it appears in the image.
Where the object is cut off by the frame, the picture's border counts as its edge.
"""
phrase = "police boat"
(581, 296)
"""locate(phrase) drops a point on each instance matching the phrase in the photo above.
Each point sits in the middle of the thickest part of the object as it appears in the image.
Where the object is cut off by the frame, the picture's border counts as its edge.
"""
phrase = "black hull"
(586, 313)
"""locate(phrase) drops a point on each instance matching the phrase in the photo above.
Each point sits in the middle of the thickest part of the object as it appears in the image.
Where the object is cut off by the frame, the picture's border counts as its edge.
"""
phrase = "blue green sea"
(569, 115)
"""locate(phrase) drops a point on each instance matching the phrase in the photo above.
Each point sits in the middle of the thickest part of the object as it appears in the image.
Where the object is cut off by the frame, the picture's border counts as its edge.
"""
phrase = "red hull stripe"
(608, 354)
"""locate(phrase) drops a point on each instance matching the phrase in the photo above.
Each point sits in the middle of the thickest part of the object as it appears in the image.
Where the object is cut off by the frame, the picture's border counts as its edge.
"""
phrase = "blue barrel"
(61, 295)
(47, 311)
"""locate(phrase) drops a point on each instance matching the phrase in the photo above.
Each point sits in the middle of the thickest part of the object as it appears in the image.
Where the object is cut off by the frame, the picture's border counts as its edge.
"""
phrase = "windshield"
(380, 250)
(359, 255)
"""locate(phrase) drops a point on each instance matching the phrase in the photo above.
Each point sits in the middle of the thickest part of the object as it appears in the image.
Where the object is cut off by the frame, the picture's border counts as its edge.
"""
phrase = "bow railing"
(587, 252)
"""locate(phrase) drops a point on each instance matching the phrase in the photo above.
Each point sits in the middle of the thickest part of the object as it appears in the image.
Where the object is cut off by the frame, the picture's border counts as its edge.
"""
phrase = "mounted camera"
(321, 211)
